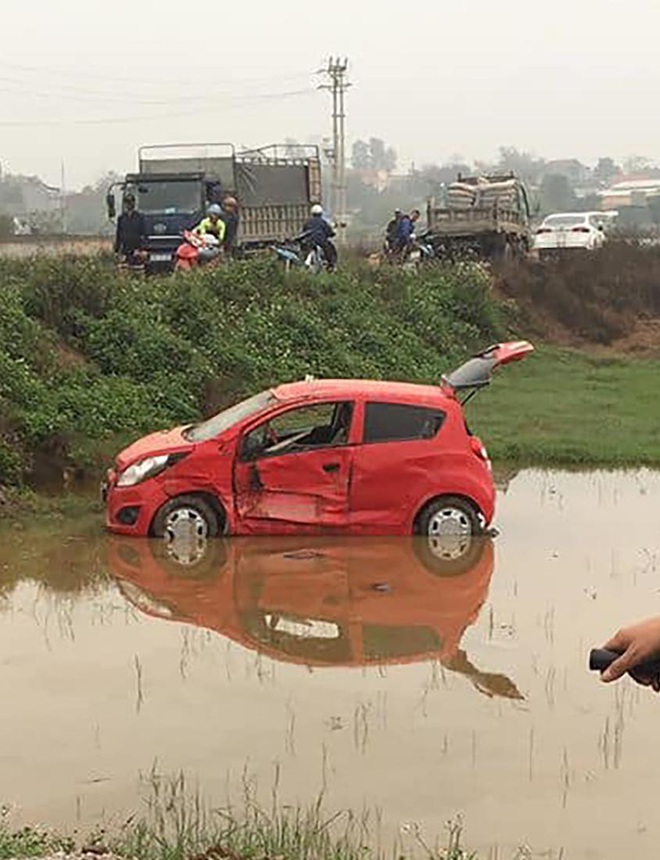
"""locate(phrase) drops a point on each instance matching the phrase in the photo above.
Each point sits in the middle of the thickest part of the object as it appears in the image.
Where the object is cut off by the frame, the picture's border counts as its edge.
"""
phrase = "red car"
(340, 456)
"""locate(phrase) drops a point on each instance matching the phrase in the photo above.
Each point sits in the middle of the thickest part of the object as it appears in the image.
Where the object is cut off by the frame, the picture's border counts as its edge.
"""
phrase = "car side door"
(293, 470)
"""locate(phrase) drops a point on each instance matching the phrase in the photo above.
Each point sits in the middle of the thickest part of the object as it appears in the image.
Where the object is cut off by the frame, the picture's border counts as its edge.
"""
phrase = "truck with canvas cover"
(484, 215)
(275, 187)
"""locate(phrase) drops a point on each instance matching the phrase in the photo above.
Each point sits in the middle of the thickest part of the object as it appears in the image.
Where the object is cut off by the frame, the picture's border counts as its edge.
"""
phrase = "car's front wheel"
(186, 518)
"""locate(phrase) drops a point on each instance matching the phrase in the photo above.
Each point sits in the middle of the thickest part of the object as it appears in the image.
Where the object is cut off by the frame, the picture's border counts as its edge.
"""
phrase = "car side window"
(397, 422)
(322, 425)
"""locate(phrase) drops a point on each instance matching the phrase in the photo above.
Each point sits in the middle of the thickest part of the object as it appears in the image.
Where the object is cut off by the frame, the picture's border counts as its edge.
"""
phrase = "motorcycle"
(418, 252)
(301, 253)
(197, 250)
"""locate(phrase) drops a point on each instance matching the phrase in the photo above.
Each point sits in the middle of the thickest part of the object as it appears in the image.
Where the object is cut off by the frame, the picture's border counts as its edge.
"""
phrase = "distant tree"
(360, 155)
(556, 194)
(382, 157)
(606, 171)
(373, 155)
(525, 165)
(637, 164)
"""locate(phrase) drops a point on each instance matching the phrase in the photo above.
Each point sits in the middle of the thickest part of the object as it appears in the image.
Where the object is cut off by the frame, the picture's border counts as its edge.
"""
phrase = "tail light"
(580, 230)
(543, 230)
(479, 449)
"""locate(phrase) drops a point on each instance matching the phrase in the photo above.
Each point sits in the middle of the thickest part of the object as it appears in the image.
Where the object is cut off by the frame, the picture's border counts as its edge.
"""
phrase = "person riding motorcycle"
(319, 232)
(212, 225)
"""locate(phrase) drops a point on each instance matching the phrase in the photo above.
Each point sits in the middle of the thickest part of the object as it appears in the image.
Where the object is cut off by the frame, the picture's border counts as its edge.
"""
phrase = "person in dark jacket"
(406, 231)
(131, 236)
(392, 231)
(231, 218)
(319, 232)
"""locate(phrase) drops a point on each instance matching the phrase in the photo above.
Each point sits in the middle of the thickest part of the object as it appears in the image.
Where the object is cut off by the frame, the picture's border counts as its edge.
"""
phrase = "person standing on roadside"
(231, 217)
(131, 235)
(392, 231)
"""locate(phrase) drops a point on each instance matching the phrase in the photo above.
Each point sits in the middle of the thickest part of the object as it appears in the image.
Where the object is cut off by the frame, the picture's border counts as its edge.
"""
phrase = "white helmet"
(317, 209)
(214, 209)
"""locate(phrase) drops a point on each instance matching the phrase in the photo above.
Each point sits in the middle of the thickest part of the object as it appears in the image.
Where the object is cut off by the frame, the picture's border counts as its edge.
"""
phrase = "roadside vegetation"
(90, 360)
(178, 824)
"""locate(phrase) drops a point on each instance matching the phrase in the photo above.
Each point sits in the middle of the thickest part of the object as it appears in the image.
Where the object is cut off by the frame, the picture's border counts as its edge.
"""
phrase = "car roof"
(346, 389)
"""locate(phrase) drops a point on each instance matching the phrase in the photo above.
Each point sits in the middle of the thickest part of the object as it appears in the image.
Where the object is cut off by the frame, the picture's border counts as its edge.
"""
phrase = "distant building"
(629, 192)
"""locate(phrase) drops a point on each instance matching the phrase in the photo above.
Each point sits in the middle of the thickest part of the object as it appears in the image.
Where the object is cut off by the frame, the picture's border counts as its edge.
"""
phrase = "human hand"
(636, 644)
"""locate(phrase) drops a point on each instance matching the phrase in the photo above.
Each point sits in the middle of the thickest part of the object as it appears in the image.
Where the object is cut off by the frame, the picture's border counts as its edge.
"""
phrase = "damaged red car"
(327, 456)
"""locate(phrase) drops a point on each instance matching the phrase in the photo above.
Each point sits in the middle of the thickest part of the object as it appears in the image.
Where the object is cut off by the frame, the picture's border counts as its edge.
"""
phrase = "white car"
(570, 230)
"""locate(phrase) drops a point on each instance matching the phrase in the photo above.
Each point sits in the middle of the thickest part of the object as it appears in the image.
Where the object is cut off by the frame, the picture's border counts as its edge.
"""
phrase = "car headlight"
(142, 470)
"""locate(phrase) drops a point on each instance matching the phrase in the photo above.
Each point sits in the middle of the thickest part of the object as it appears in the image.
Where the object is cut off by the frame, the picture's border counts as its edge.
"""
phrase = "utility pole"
(338, 84)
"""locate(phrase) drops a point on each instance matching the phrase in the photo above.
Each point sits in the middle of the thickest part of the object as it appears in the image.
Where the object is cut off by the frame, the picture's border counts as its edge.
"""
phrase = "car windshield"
(221, 422)
(564, 221)
(169, 198)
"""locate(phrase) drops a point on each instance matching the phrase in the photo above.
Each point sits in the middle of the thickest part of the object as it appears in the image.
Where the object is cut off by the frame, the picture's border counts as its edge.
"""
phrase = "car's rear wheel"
(186, 518)
(447, 528)
(449, 516)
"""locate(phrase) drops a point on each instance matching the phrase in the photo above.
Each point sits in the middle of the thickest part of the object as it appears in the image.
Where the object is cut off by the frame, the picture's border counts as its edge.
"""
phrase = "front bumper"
(130, 510)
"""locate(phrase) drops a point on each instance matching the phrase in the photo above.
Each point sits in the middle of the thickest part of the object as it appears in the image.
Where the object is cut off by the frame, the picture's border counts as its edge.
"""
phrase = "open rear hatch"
(478, 371)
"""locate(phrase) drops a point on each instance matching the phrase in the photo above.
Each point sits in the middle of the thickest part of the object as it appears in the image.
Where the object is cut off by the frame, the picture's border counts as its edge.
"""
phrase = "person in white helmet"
(319, 231)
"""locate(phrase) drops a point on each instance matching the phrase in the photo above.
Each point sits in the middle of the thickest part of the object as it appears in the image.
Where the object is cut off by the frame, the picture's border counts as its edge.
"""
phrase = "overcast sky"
(85, 83)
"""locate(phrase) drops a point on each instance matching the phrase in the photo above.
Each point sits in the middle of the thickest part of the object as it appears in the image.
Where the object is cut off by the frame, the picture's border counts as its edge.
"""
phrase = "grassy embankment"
(88, 360)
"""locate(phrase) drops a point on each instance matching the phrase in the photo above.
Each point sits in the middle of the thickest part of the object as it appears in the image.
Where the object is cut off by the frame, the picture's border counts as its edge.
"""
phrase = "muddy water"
(397, 680)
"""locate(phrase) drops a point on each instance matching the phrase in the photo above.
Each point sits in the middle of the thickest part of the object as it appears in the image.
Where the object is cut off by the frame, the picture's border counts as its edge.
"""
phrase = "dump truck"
(485, 216)
(175, 183)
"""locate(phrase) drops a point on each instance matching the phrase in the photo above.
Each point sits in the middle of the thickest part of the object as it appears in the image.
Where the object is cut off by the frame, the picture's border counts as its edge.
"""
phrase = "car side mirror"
(111, 205)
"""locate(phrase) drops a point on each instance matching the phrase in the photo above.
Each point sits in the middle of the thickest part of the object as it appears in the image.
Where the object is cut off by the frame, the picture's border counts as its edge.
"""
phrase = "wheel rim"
(449, 533)
(450, 522)
(186, 534)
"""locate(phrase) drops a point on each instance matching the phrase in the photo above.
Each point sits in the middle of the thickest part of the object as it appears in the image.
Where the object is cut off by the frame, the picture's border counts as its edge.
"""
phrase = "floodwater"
(417, 685)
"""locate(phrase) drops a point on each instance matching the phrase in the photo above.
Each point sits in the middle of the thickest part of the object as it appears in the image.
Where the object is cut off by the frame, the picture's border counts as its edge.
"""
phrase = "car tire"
(186, 514)
(449, 515)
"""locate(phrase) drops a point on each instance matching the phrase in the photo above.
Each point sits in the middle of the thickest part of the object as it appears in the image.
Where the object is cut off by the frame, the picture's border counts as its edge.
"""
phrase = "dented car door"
(301, 480)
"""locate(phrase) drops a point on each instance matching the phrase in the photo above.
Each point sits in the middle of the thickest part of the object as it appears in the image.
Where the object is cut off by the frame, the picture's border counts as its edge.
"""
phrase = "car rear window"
(396, 422)
(564, 221)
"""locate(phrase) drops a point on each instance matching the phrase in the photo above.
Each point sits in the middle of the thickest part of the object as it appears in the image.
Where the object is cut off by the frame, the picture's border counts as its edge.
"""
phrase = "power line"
(337, 84)
(142, 118)
(137, 80)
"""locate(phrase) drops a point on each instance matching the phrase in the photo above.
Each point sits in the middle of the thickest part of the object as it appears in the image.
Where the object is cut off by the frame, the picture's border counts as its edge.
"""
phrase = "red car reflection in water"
(321, 602)
(343, 456)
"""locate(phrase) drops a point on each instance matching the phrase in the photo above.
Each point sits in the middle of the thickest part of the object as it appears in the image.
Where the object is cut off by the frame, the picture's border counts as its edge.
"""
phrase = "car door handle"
(331, 467)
